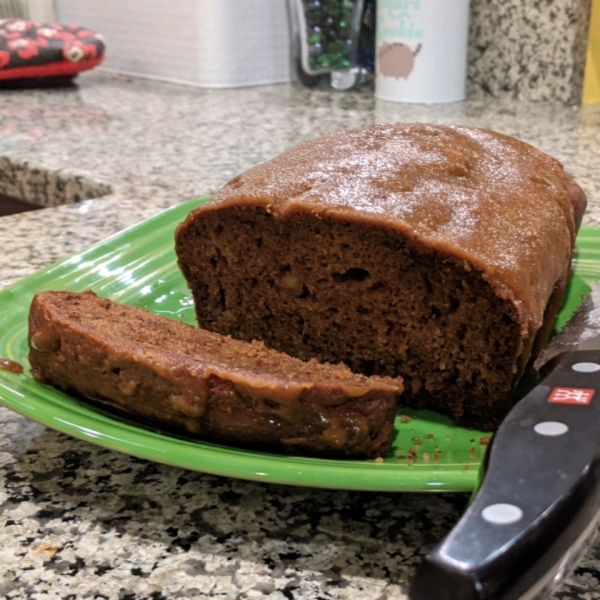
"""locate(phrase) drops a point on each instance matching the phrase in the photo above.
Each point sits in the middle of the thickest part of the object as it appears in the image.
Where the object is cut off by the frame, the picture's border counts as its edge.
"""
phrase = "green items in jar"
(328, 39)
(329, 33)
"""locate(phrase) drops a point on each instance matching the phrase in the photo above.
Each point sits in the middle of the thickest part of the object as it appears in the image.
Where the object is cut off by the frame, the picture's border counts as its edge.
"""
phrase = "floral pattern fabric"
(29, 49)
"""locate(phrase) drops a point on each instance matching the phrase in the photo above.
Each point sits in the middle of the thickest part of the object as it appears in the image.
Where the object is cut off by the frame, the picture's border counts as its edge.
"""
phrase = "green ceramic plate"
(137, 266)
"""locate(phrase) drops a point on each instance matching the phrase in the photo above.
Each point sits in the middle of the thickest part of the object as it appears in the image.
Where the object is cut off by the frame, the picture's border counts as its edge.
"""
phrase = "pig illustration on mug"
(396, 59)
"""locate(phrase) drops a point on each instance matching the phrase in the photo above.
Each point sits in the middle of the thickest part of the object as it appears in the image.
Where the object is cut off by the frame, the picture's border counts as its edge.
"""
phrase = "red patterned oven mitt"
(46, 53)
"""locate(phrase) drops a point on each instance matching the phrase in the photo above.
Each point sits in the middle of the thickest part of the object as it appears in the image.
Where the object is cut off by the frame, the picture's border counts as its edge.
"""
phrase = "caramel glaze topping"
(46, 339)
(10, 365)
(490, 201)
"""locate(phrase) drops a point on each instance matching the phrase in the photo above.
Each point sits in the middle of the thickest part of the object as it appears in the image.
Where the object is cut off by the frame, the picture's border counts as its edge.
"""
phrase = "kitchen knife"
(538, 506)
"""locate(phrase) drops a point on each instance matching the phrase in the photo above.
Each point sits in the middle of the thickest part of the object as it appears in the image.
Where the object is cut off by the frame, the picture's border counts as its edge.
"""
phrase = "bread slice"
(436, 253)
(209, 385)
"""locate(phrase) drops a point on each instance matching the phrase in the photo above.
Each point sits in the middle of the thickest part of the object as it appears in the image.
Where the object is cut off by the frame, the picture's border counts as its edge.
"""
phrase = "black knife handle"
(539, 500)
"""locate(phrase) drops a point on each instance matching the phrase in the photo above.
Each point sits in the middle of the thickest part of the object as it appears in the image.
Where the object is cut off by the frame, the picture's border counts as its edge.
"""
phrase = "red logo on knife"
(562, 395)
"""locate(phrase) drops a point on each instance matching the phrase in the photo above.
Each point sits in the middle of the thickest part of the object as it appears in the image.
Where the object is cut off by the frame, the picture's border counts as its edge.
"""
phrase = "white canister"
(421, 50)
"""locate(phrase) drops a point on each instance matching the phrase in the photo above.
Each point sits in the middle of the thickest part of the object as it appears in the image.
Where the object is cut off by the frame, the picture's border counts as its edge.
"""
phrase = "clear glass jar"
(335, 37)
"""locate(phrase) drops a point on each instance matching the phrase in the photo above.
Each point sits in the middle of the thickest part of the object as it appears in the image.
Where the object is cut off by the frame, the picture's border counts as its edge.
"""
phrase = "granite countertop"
(79, 521)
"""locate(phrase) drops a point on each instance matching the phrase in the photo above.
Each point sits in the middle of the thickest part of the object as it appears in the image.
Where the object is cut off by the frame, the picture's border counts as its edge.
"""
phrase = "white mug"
(421, 50)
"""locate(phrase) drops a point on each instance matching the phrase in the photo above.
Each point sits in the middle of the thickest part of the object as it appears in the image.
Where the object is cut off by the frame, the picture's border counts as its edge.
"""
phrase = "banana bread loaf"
(435, 253)
(209, 385)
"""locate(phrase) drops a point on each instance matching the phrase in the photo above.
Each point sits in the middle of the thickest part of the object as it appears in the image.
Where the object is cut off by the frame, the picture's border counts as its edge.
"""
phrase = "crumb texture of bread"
(435, 253)
(211, 386)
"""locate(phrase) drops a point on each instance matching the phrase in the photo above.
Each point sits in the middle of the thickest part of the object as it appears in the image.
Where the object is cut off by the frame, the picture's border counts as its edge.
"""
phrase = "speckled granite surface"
(515, 52)
(79, 521)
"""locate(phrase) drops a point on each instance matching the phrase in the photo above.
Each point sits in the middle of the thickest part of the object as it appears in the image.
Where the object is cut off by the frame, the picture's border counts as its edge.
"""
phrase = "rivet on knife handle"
(540, 497)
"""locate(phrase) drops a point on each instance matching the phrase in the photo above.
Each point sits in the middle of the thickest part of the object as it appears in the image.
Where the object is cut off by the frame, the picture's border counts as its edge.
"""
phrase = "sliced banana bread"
(212, 386)
(436, 253)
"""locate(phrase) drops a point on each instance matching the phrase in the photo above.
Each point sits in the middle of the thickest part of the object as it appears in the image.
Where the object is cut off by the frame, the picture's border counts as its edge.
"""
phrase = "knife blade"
(538, 506)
